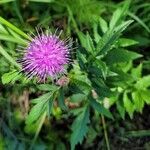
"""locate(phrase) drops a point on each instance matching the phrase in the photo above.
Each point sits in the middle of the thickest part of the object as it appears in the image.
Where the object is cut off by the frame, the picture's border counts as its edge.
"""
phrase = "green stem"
(105, 132)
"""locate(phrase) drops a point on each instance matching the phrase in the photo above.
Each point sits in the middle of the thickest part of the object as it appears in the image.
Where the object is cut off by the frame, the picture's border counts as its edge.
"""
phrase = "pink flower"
(46, 55)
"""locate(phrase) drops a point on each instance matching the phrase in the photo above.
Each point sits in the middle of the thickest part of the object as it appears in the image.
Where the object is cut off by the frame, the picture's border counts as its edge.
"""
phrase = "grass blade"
(14, 28)
(8, 57)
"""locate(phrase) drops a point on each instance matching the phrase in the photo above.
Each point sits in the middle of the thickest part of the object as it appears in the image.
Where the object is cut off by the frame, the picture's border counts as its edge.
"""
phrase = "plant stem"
(105, 132)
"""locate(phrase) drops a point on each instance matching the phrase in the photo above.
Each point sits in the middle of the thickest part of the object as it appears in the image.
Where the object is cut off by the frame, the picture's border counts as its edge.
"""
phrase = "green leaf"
(99, 68)
(137, 72)
(6, 1)
(10, 38)
(124, 42)
(82, 39)
(103, 25)
(120, 108)
(47, 87)
(8, 57)
(86, 42)
(3, 30)
(41, 98)
(80, 79)
(143, 83)
(115, 18)
(82, 60)
(38, 109)
(10, 77)
(97, 37)
(145, 95)
(100, 108)
(14, 28)
(49, 106)
(126, 66)
(110, 37)
(121, 55)
(129, 106)
(79, 127)
(77, 97)
(89, 43)
(138, 101)
(61, 99)
(119, 14)
(101, 88)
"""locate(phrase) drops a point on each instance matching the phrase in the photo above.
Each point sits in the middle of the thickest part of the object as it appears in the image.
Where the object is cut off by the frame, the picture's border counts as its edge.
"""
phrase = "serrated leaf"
(10, 77)
(105, 44)
(82, 60)
(99, 68)
(89, 43)
(115, 18)
(82, 39)
(100, 108)
(138, 101)
(38, 109)
(80, 79)
(143, 83)
(41, 98)
(137, 72)
(121, 55)
(47, 87)
(124, 42)
(103, 25)
(129, 106)
(101, 88)
(126, 66)
(61, 99)
(119, 14)
(121, 109)
(145, 95)
(97, 37)
(80, 127)
(49, 106)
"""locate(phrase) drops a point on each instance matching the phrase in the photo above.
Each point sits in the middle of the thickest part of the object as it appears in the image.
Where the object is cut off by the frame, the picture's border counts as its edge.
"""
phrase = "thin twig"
(105, 132)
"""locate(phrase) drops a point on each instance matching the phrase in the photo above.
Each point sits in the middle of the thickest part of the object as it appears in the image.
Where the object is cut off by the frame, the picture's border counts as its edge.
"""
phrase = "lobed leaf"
(121, 55)
(80, 127)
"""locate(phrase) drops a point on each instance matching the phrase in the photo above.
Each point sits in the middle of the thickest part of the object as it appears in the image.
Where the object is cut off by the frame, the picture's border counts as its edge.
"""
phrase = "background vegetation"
(105, 105)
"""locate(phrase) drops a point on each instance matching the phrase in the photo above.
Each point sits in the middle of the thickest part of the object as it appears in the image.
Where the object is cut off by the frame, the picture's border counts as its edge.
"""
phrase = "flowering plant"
(76, 80)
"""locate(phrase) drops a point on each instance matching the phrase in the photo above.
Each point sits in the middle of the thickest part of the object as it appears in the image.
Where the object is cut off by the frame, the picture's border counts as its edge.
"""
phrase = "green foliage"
(109, 76)
(79, 127)
(120, 55)
(10, 77)
(39, 108)
(100, 108)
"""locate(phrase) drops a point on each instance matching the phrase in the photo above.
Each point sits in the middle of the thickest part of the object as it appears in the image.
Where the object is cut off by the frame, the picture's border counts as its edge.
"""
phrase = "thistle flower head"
(46, 55)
